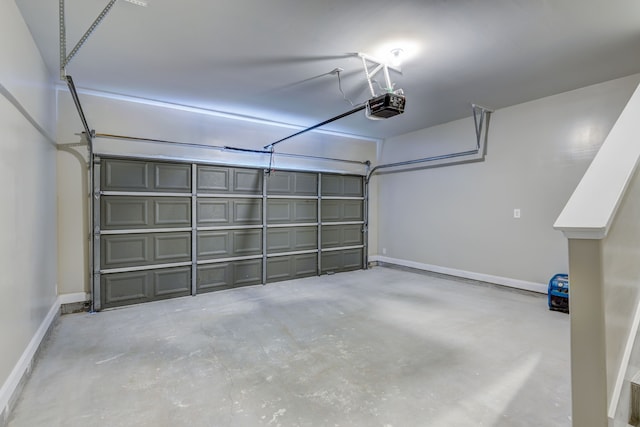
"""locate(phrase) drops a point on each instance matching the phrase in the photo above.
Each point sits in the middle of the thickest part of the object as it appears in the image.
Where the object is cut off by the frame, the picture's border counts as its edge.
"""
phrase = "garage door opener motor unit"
(558, 293)
(385, 106)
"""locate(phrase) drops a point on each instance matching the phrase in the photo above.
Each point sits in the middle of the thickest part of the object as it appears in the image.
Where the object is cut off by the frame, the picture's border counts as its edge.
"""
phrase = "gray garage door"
(165, 230)
(342, 218)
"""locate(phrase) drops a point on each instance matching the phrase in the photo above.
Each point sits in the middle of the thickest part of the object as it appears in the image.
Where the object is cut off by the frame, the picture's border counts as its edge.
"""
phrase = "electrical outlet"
(384, 251)
(516, 213)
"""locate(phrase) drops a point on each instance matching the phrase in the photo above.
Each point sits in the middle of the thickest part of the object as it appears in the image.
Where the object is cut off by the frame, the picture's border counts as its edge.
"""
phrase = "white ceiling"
(271, 59)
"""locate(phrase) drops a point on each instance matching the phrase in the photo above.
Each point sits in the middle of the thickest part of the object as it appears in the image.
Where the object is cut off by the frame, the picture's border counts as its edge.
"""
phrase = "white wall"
(73, 228)
(461, 217)
(131, 117)
(27, 193)
(621, 271)
(601, 222)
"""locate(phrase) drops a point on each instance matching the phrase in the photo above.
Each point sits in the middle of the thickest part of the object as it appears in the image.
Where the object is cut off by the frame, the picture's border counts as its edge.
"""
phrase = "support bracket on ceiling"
(64, 58)
(481, 118)
(373, 66)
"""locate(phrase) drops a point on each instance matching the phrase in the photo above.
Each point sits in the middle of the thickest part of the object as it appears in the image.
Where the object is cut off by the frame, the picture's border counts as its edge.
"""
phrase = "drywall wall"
(603, 211)
(73, 227)
(119, 115)
(461, 217)
(621, 272)
(28, 214)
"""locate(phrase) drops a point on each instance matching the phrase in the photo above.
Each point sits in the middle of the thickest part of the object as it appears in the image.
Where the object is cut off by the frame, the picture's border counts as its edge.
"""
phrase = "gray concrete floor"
(380, 347)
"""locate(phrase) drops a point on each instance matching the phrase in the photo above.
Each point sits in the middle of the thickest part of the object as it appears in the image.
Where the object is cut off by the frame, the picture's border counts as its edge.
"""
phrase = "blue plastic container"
(558, 293)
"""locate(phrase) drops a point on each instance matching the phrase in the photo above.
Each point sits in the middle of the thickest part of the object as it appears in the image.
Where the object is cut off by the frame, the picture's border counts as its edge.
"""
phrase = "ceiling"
(272, 59)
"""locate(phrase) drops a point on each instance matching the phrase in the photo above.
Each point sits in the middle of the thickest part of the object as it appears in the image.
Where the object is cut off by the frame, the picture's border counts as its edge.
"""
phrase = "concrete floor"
(381, 347)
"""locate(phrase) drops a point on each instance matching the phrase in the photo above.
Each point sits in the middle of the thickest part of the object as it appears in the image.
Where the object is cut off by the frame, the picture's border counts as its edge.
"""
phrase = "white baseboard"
(73, 298)
(22, 368)
(12, 384)
(504, 281)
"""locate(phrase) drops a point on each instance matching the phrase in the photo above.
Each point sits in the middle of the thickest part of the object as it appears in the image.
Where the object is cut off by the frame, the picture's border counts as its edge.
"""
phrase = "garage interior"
(328, 214)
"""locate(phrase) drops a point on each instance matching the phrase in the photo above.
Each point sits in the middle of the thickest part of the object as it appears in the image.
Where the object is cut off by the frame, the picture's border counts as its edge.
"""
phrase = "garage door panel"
(279, 268)
(330, 262)
(214, 244)
(306, 238)
(125, 175)
(143, 176)
(279, 211)
(247, 181)
(342, 185)
(352, 259)
(280, 240)
(292, 211)
(352, 186)
(305, 184)
(124, 212)
(247, 212)
(214, 277)
(247, 242)
(352, 210)
(279, 183)
(331, 237)
(124, 288)
(291, 267)
(342, 210)
(221, 180)
(172, 177)
(172, 212)
(129, 250)
(213, 179)
(247, 272)
(229, 243)
(292, 239)
(334, 236)
(331, 210)
(331, 185)
(352, 235)
(345, 260)
(119, 289)
(131, 212)
(306, 265)
(305, 211)
(216, 212)
(121, 251)
(292, 183)
(213, 212)
(173, 247)
(171, 282)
